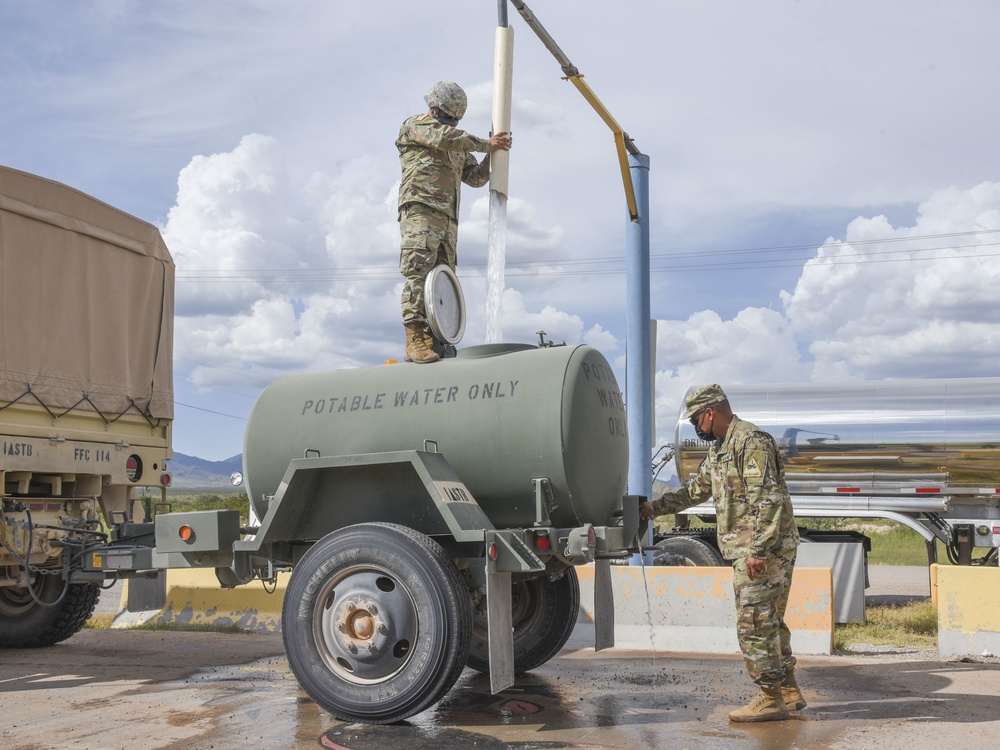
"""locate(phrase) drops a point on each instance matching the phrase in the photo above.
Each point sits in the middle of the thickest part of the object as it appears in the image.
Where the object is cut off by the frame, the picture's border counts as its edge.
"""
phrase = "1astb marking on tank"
(454, 492)
(439, 395)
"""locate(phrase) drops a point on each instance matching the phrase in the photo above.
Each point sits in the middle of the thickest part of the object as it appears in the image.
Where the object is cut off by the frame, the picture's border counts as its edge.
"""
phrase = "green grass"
(103, 622)
(898, 545)
(99, 622)
(913, 624)
(892, 543)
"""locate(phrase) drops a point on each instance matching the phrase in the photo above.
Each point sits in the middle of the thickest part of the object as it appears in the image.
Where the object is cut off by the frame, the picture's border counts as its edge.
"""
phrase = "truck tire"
(544, 615)
(24, 623)
(688, 550)
(376, 623)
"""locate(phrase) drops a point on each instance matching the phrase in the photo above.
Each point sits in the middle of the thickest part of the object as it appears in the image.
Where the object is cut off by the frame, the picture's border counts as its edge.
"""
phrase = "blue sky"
(824, 178)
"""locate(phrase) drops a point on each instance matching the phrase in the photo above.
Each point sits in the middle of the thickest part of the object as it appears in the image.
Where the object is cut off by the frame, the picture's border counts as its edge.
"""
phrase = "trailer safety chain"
(660, 461)
(29, 568)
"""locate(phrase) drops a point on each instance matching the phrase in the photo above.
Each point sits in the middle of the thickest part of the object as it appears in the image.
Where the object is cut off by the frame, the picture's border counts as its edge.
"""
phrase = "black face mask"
(702, 434)
(445, 119)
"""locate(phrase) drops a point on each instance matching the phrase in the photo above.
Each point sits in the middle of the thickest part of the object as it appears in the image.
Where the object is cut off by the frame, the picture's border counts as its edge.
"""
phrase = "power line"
(209, 411)
(541, 268)
(293, 274)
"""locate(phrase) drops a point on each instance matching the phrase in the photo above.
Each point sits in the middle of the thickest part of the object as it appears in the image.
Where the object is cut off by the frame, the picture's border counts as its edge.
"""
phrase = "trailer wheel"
(24, 623)
(544, 615)
(376, 623)
(687, 550)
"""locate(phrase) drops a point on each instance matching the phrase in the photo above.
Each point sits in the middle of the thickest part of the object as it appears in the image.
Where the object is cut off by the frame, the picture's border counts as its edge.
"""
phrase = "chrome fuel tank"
(908, 437)
(501, 415)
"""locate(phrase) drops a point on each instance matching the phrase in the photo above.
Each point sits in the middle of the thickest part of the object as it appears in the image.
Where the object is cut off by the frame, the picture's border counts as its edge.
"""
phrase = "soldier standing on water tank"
(436, 157)
(757, 533)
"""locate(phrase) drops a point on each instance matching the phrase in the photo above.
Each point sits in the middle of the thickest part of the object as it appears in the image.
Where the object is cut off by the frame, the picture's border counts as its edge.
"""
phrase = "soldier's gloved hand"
(646, 512)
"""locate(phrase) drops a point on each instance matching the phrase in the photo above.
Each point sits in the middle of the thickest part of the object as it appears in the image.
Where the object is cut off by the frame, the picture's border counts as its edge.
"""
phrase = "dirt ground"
(105, 690)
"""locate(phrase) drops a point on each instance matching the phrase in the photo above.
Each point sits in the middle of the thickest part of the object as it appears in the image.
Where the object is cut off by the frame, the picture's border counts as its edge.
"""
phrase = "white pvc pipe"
(503, 74)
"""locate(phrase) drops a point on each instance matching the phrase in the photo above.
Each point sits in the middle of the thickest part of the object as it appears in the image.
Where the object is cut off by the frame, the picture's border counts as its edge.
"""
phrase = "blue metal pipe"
(638, 354)
(502, 13)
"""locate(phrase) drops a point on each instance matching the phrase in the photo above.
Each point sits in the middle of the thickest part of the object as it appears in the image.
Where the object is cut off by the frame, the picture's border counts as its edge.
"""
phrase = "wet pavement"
(182, 690)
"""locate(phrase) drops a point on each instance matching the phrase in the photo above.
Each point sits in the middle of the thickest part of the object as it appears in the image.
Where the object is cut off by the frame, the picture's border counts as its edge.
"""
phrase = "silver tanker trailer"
(924, 453)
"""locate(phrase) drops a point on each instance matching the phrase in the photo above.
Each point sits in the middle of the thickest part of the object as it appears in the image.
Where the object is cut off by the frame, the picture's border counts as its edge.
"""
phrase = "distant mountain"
(191, 471)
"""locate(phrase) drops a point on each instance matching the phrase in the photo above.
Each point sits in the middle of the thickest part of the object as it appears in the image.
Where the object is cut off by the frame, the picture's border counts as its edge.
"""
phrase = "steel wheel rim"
(365, 625)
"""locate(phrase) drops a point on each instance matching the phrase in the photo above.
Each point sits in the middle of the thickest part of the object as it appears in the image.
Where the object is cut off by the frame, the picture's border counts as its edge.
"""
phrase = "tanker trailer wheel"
(376, 623)
(24, 623)
(687, 550)
(544, 615)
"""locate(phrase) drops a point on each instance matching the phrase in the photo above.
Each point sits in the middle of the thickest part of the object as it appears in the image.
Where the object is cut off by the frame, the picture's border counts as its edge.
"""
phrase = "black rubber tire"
(390, 588)
(544, 615)
(24, 623)
(695, 551)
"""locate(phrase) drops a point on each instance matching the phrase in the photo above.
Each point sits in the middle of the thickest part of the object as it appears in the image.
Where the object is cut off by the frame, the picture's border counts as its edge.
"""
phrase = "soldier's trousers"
(429, 238)
(760, 611)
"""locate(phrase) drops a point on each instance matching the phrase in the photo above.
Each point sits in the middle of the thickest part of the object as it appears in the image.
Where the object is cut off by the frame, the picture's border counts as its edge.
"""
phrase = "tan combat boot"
(428, 337)
(419, 347)
(767, 705)
(790, 693)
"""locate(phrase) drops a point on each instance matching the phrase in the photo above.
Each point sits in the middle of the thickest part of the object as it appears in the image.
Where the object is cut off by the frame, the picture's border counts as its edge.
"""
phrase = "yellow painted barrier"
(687, 609)
(968, 610)
(668, 608)
(194, 597)
(934, 585)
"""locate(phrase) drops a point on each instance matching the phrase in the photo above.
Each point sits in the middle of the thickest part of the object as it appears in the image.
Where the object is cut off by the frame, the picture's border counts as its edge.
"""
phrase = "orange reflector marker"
(543, 542)
(165, 479)
(494, 552)
(186, 533)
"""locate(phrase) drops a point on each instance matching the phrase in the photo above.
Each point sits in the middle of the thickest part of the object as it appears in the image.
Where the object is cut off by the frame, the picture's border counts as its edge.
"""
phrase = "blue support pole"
(638, 356)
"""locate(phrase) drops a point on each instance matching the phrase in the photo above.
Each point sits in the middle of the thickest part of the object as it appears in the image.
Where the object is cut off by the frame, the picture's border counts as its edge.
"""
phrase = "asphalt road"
(105, 690)
(133, 690)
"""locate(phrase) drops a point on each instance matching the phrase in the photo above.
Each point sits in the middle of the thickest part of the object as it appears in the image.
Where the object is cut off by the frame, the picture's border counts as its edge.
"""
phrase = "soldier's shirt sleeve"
(476, 174)
(433, 134)
(764, 494)
(696, 491)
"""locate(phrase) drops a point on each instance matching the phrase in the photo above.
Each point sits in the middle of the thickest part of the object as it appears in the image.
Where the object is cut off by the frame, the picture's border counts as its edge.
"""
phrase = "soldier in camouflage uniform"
(436, 157)
(757, 533)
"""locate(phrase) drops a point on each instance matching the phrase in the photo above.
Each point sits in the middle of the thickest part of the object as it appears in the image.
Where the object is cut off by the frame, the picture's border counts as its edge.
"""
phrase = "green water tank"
(501, 415)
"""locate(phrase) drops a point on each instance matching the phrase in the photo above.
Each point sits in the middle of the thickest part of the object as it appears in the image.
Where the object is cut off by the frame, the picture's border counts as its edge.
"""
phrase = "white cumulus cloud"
(884, 302)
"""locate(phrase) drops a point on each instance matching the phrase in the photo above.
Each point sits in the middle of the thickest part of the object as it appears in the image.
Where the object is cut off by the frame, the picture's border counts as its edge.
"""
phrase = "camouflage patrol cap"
(448, 97)
(699, 398)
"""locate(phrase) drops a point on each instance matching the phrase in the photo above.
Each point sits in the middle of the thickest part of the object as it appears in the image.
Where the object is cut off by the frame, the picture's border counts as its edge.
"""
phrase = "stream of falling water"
(649, 607)
(496, 259)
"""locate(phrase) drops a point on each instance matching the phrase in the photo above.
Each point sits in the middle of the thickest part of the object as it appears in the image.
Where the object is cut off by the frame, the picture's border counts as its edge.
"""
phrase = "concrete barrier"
(688, 609)
(194, 597)
(666, 608)
(968, 610)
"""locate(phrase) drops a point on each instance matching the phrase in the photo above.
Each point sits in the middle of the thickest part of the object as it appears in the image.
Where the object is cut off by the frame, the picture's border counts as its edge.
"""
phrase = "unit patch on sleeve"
(752, 469)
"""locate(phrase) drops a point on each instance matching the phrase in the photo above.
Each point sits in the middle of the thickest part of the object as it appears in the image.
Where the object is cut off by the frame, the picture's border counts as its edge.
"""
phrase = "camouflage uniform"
(435, 159)
(743, 472)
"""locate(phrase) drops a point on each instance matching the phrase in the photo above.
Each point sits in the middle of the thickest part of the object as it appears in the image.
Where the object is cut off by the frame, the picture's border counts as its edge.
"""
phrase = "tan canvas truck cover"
(86, 303)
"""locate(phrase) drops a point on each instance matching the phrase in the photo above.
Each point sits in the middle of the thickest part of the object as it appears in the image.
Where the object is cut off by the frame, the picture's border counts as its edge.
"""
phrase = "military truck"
(431, 515)
(924, 453)
(86, 398)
